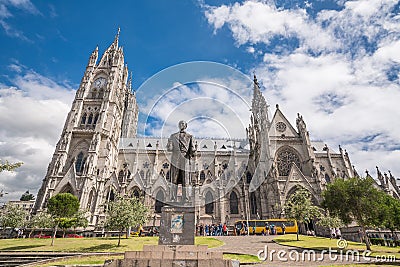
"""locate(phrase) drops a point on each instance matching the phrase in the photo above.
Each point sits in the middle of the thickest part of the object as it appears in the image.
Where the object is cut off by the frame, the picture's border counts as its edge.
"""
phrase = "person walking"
(225, 229)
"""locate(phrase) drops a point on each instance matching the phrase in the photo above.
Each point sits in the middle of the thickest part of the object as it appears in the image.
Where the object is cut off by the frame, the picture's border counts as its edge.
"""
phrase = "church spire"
(115, 43)
(130, 82)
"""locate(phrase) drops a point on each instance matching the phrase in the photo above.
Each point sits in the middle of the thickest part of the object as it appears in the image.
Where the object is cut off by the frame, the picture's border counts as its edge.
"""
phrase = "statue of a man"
(181, 145)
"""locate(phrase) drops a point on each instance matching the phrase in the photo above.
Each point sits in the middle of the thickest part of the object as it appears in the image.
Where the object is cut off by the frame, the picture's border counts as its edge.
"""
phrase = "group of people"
(335, 233)
(269, 229)
(212, 229)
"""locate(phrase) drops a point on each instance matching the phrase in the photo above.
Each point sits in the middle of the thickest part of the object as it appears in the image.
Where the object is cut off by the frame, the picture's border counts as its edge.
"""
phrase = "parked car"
(42, 236)
(73, 236)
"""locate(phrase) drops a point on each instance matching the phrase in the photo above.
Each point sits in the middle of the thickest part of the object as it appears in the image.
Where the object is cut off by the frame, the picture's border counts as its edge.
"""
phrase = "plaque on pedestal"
(177, 226)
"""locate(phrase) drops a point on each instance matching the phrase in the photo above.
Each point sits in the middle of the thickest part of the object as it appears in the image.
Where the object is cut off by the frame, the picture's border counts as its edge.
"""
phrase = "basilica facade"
(99, 156)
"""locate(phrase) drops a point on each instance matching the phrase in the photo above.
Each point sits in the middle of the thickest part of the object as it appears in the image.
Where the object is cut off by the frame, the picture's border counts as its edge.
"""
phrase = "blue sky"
(335, 62)
(56, 38)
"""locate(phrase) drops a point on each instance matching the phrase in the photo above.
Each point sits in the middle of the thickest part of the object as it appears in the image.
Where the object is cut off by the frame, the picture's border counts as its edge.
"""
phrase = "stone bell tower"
(103, 111)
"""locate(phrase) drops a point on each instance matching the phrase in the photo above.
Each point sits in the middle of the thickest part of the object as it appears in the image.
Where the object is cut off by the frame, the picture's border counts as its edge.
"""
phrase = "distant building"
(99, 155)
(26, 205)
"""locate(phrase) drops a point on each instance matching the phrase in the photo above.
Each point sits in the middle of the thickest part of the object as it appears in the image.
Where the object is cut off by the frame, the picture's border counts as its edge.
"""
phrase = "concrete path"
(278, 255)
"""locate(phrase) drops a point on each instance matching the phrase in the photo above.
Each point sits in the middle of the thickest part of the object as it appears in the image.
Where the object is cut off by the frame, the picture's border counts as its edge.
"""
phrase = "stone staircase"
(8, 258)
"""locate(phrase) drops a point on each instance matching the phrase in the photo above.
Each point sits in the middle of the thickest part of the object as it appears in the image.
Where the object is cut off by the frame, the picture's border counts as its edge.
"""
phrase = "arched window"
(253, 203)
(168, 176)
(202, 176)
(96, 118)
(90, 205)
(111, 195)
(285, 159)
(248, 177)
(327, 178)
(121, 176)
(100, 94)
(79, 163)
(159, 201)
(136, 193)
(94, 93)
(209, 203)
(233, 203)
(90, 119)
(83, 121)
(67, 189)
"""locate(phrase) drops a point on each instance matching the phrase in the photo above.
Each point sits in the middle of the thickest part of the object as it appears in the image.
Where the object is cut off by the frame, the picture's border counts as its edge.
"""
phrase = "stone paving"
(253, 244)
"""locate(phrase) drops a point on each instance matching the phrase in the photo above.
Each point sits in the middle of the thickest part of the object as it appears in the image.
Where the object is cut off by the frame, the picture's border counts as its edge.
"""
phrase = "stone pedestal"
(173, 256)
(177, 225)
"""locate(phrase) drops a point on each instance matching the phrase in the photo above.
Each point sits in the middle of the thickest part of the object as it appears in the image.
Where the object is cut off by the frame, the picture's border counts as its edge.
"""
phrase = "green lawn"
(321, 243)
(243, 258)
(90, 244)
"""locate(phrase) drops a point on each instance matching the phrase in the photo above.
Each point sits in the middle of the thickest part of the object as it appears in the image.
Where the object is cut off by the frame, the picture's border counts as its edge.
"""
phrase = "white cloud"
(24, 5)
(258, 22)
(212, 109)
(338, 75)
(32, 115)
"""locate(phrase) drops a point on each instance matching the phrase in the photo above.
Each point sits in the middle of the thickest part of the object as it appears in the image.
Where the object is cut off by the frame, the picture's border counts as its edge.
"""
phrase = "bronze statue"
(182, 146)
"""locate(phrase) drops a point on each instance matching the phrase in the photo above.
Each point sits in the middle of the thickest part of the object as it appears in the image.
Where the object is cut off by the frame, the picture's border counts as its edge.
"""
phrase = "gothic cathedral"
(99, 156)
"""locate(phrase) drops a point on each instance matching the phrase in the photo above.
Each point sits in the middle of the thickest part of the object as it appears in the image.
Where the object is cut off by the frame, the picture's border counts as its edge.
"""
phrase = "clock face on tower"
(100, 82)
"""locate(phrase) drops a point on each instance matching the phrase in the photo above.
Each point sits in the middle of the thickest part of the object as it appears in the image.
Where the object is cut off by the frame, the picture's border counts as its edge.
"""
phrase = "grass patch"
(320, 243)
(94, 244)
(77, 244)
(243, 258)
(209, 241)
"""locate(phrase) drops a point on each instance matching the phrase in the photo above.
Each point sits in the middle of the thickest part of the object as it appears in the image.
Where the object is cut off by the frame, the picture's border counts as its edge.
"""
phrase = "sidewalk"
(253, 244)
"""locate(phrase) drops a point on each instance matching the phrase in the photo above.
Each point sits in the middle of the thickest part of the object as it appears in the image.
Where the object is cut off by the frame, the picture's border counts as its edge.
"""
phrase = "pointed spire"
(117, 37)
(130, 82)
(255, 78)
(94, 56)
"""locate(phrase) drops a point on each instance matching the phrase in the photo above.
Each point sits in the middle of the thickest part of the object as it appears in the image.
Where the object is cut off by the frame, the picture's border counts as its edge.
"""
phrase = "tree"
(7, 166)
(65, 223)
(355, 199)
(329, 221)
(62, 206)
(124, 213)
(80, 220)
(300, 208)
(13, 216)
(40, 220)
(27, 196)
(391, 214)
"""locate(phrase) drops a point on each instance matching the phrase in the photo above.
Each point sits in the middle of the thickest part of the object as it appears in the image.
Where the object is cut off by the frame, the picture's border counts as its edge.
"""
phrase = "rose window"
(284, 161)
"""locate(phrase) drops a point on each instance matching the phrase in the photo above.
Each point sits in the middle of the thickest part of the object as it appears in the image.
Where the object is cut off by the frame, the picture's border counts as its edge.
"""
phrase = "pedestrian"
(333, 233)
(254, 229)
(338, 233)
(225, 229)
(283, 228)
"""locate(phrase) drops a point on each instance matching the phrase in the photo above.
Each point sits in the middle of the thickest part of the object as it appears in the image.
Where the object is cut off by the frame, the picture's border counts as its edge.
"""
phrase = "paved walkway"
(253, 244)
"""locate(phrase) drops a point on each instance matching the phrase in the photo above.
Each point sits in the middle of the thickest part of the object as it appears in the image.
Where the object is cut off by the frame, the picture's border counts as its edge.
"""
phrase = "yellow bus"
(274, 226)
